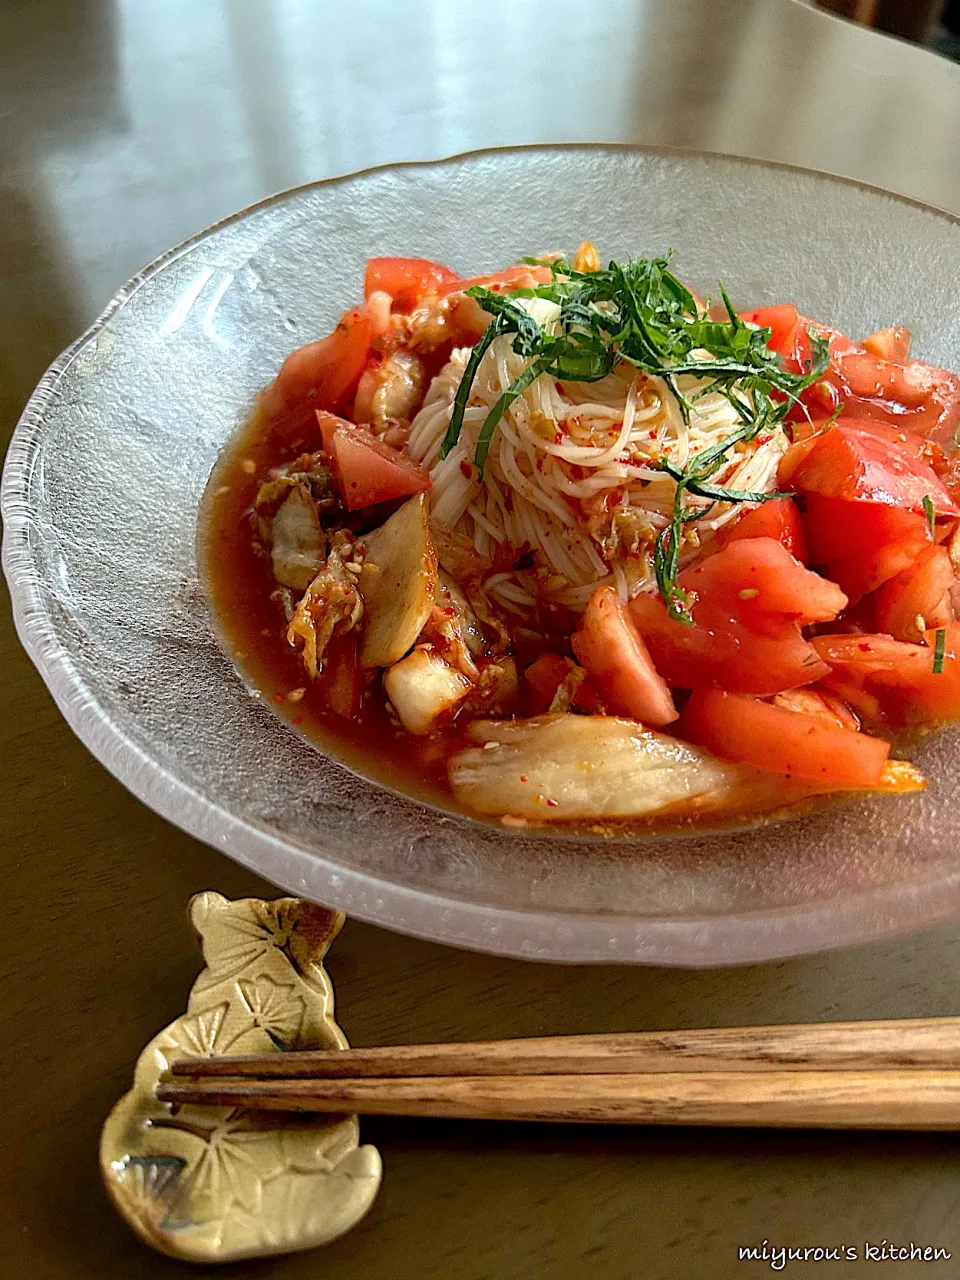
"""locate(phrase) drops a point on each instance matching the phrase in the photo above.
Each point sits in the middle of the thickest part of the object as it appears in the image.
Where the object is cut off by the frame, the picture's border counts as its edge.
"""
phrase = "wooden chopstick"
(891, 1099)
(920, 1043)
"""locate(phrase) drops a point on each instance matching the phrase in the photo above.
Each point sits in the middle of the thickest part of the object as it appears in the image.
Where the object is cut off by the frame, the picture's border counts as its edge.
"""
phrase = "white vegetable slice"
(469, 623)
(398, 583)
(562, 767)
(297, 540)
(422, 687)
(497, 690)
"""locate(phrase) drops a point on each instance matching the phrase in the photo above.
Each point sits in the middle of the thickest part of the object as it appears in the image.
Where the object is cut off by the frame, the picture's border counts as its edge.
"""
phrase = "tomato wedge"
(544, 677)
(329, 424)
(778, 519)
(836, 529)
(925, 450)
(914, 395)
(789, 336)
(406, 280)
(917, 599)
(874, 380)
(806, 439)
(860, 574)
(889, 344)
(863, 544)
(807, 436)
(500, 281)
(783, 320)
(818, 702)
(886, 679)
(759, 583)
(866, 494)
(322, 374)
(849, 463)
(612, 650)
(748, 602)
(700, 657)
(368, 471)
(782, 741)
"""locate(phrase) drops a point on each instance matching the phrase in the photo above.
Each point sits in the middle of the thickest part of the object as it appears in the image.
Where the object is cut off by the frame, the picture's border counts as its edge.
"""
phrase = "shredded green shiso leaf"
(638, 312)
(939, 650)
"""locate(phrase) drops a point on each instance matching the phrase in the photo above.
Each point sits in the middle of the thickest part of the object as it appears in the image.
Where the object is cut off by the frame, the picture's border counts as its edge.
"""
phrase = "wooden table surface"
(125, 127)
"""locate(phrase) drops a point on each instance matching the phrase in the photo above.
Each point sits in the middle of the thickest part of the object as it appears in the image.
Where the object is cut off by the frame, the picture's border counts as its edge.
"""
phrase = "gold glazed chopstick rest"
(216, 1184)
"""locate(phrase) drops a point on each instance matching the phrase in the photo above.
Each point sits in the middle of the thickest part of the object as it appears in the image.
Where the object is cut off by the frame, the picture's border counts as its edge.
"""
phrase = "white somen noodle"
(565, 457)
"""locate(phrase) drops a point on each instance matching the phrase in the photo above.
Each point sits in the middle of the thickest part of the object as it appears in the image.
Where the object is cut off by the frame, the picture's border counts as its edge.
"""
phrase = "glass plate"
(108, 464)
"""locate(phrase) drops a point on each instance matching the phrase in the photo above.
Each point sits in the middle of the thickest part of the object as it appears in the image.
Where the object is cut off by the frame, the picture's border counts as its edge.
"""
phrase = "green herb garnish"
(516, 388)
(690, 479)
(931, 513)
(640, 313)
(939, 650)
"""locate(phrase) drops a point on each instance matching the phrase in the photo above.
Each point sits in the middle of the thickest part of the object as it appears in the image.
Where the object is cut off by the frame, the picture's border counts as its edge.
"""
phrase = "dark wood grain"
(903, 1099)
(124, 129)
(922, 1043)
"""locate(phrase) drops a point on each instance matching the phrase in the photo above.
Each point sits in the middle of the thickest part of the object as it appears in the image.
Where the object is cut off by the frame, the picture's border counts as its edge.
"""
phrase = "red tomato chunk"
(871, 381)
(818, 702)
(545, 676)
(748, 603)
(860, 574)
(917, 599)
(368, 471)
(778, 519)
(323, 374)
(612, 650)
(783, 321)
(789, 336)
(780, 740)
(917, 396)
(761, 584)
(849, 463)
(889, 344)
(406, 280)
(863, 544)
(836, 529)
(888, 680)
(508, 278)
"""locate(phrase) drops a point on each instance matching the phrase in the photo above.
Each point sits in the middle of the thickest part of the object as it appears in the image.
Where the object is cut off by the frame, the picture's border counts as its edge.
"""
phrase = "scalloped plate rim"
(749, 937)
